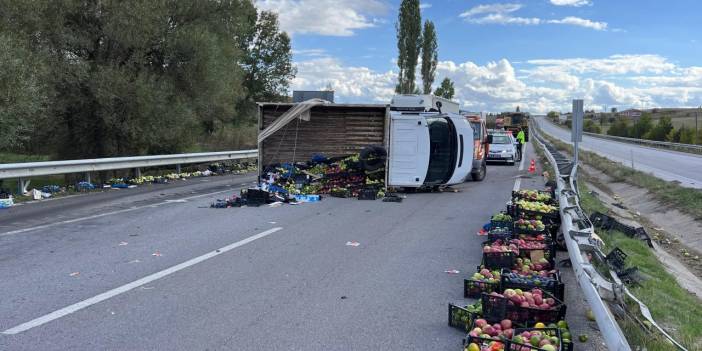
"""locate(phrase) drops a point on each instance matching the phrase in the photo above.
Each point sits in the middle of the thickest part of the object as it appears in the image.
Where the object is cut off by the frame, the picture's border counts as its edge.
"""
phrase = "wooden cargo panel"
(333, 130)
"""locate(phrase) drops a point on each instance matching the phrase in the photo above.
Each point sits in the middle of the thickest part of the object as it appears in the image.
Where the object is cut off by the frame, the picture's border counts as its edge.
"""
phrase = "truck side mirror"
(488, 140)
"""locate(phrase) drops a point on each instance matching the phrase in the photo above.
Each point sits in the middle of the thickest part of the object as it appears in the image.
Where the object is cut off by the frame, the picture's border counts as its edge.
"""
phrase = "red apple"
(506, 324)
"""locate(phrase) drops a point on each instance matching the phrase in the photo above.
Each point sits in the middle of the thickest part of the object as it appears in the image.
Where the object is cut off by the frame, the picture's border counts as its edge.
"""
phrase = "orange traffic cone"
(532, 166)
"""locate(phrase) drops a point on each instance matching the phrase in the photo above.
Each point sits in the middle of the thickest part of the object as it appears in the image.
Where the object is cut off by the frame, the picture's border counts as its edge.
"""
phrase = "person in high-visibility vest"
(520, 142)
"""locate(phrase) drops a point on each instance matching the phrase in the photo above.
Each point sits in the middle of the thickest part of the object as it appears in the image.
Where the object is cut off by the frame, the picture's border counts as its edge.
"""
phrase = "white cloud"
(576, 3)
(582, 22)
(504, 14)
(424, 5)
(543, 85)
(325, 17)
(497, 14)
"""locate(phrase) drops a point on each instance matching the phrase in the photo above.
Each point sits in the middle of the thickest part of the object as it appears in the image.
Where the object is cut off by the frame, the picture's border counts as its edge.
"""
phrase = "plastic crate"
(473, 289)
(484, 343)
(551, 200)
(549, 252)
(496, 235)
(498, 260)
(496, 308)
(368, 194)
(255, 197)
(459, 317)
(343, 193)
(500, 224)
(554, 286)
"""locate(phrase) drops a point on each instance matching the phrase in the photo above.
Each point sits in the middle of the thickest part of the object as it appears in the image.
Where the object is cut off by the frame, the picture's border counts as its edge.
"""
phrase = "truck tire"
(480, 175)
(373, 157)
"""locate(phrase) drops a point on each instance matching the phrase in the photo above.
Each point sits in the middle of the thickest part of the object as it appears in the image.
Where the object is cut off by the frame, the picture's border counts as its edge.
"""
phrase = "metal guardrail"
(582, 241)
(579, 241)
(663, 144)
(32, 169)
(697, 149)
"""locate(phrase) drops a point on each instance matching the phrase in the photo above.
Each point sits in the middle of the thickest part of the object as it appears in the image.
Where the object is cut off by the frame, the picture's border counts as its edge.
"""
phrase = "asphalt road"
(155, 269)
(668, 165)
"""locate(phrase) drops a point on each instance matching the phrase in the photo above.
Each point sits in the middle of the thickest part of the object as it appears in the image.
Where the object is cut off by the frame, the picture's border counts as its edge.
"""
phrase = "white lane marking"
(135, 284)
(80, 219)
(518, 181)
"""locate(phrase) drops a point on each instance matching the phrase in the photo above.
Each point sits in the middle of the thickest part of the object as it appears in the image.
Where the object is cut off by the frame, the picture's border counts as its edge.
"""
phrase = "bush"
(591, 127)
(619, 128)
(661, 130)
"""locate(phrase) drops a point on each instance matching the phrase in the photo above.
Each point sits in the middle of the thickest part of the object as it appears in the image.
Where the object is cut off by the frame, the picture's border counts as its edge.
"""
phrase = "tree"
(641, 127)
(553, 115)
(23, 93)
(137, 77)
(661, 130)
(430, 57)
(674, 135)
(620, 127)
(268, 60)
(409, 41)
(445, 90)
(687, 135)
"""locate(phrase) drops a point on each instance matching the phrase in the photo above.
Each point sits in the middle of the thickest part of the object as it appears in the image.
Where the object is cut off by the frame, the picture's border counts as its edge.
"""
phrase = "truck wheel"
(511, 162)
(373, 157)
(480, 175)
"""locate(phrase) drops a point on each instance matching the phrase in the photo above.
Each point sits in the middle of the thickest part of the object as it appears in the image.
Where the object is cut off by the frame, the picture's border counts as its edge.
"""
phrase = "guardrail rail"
(25, 170)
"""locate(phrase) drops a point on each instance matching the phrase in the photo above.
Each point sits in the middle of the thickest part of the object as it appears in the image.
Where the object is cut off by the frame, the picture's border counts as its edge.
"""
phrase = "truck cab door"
(409, 150)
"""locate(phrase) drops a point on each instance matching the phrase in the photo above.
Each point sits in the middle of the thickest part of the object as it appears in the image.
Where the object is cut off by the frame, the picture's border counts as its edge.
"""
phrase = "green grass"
(7, 157)
(687, 200)
(673, 308)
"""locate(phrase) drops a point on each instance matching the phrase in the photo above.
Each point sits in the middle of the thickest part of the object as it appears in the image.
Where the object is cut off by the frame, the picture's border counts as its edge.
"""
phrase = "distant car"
(503, 148)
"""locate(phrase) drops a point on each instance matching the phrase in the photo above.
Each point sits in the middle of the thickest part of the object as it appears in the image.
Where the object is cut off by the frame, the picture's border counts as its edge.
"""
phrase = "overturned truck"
(420, 144)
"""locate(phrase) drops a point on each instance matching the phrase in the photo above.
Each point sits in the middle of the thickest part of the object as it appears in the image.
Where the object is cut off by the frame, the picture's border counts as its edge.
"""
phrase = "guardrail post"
(137, 172)
(87, 177)
(23, 184)
(178, 168)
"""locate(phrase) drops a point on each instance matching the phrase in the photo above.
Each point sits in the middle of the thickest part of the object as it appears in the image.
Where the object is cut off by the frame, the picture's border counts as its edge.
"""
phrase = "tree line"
(98, 78)
(642, 128)
(663, 130)
(413, 40)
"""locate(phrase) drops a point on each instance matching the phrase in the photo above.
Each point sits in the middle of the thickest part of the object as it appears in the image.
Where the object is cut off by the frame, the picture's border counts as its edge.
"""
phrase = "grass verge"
(687, 200)
(675, 309)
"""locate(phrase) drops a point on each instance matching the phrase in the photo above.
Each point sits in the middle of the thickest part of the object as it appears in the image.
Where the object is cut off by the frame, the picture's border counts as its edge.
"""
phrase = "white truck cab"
(428, 146)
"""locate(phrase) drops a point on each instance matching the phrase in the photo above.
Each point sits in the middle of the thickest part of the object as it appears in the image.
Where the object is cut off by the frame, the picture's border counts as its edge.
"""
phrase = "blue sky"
(538, 54)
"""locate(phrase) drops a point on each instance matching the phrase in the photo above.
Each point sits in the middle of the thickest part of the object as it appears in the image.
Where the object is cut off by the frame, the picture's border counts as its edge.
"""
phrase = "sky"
(536, 54)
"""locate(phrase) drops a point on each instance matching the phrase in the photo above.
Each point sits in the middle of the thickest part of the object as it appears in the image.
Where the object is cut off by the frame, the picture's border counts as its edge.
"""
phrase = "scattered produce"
(582, 338)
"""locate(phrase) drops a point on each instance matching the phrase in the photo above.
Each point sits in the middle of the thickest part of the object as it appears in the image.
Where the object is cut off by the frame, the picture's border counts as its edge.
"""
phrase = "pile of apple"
(487, 276)
(529, 244)
(536, 206)
(530, 224)
(499, 246)
(527, 299)
(537, 338)
(524, 266)
(534, 195)
(529, 237)
(483, 329)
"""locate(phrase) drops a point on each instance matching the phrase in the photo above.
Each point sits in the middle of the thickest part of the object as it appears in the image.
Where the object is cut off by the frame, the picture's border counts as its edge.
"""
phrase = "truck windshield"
(442, 150)
(516, 119)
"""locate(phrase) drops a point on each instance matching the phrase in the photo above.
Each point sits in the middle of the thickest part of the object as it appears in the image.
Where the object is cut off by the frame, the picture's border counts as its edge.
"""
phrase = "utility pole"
(697, 133)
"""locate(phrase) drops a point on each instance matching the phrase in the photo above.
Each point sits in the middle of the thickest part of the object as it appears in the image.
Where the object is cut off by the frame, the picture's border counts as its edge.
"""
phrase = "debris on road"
(452, 271)
(353, 243)
(157, 254)
(123, 243)
(135, 261)
(74, 274)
